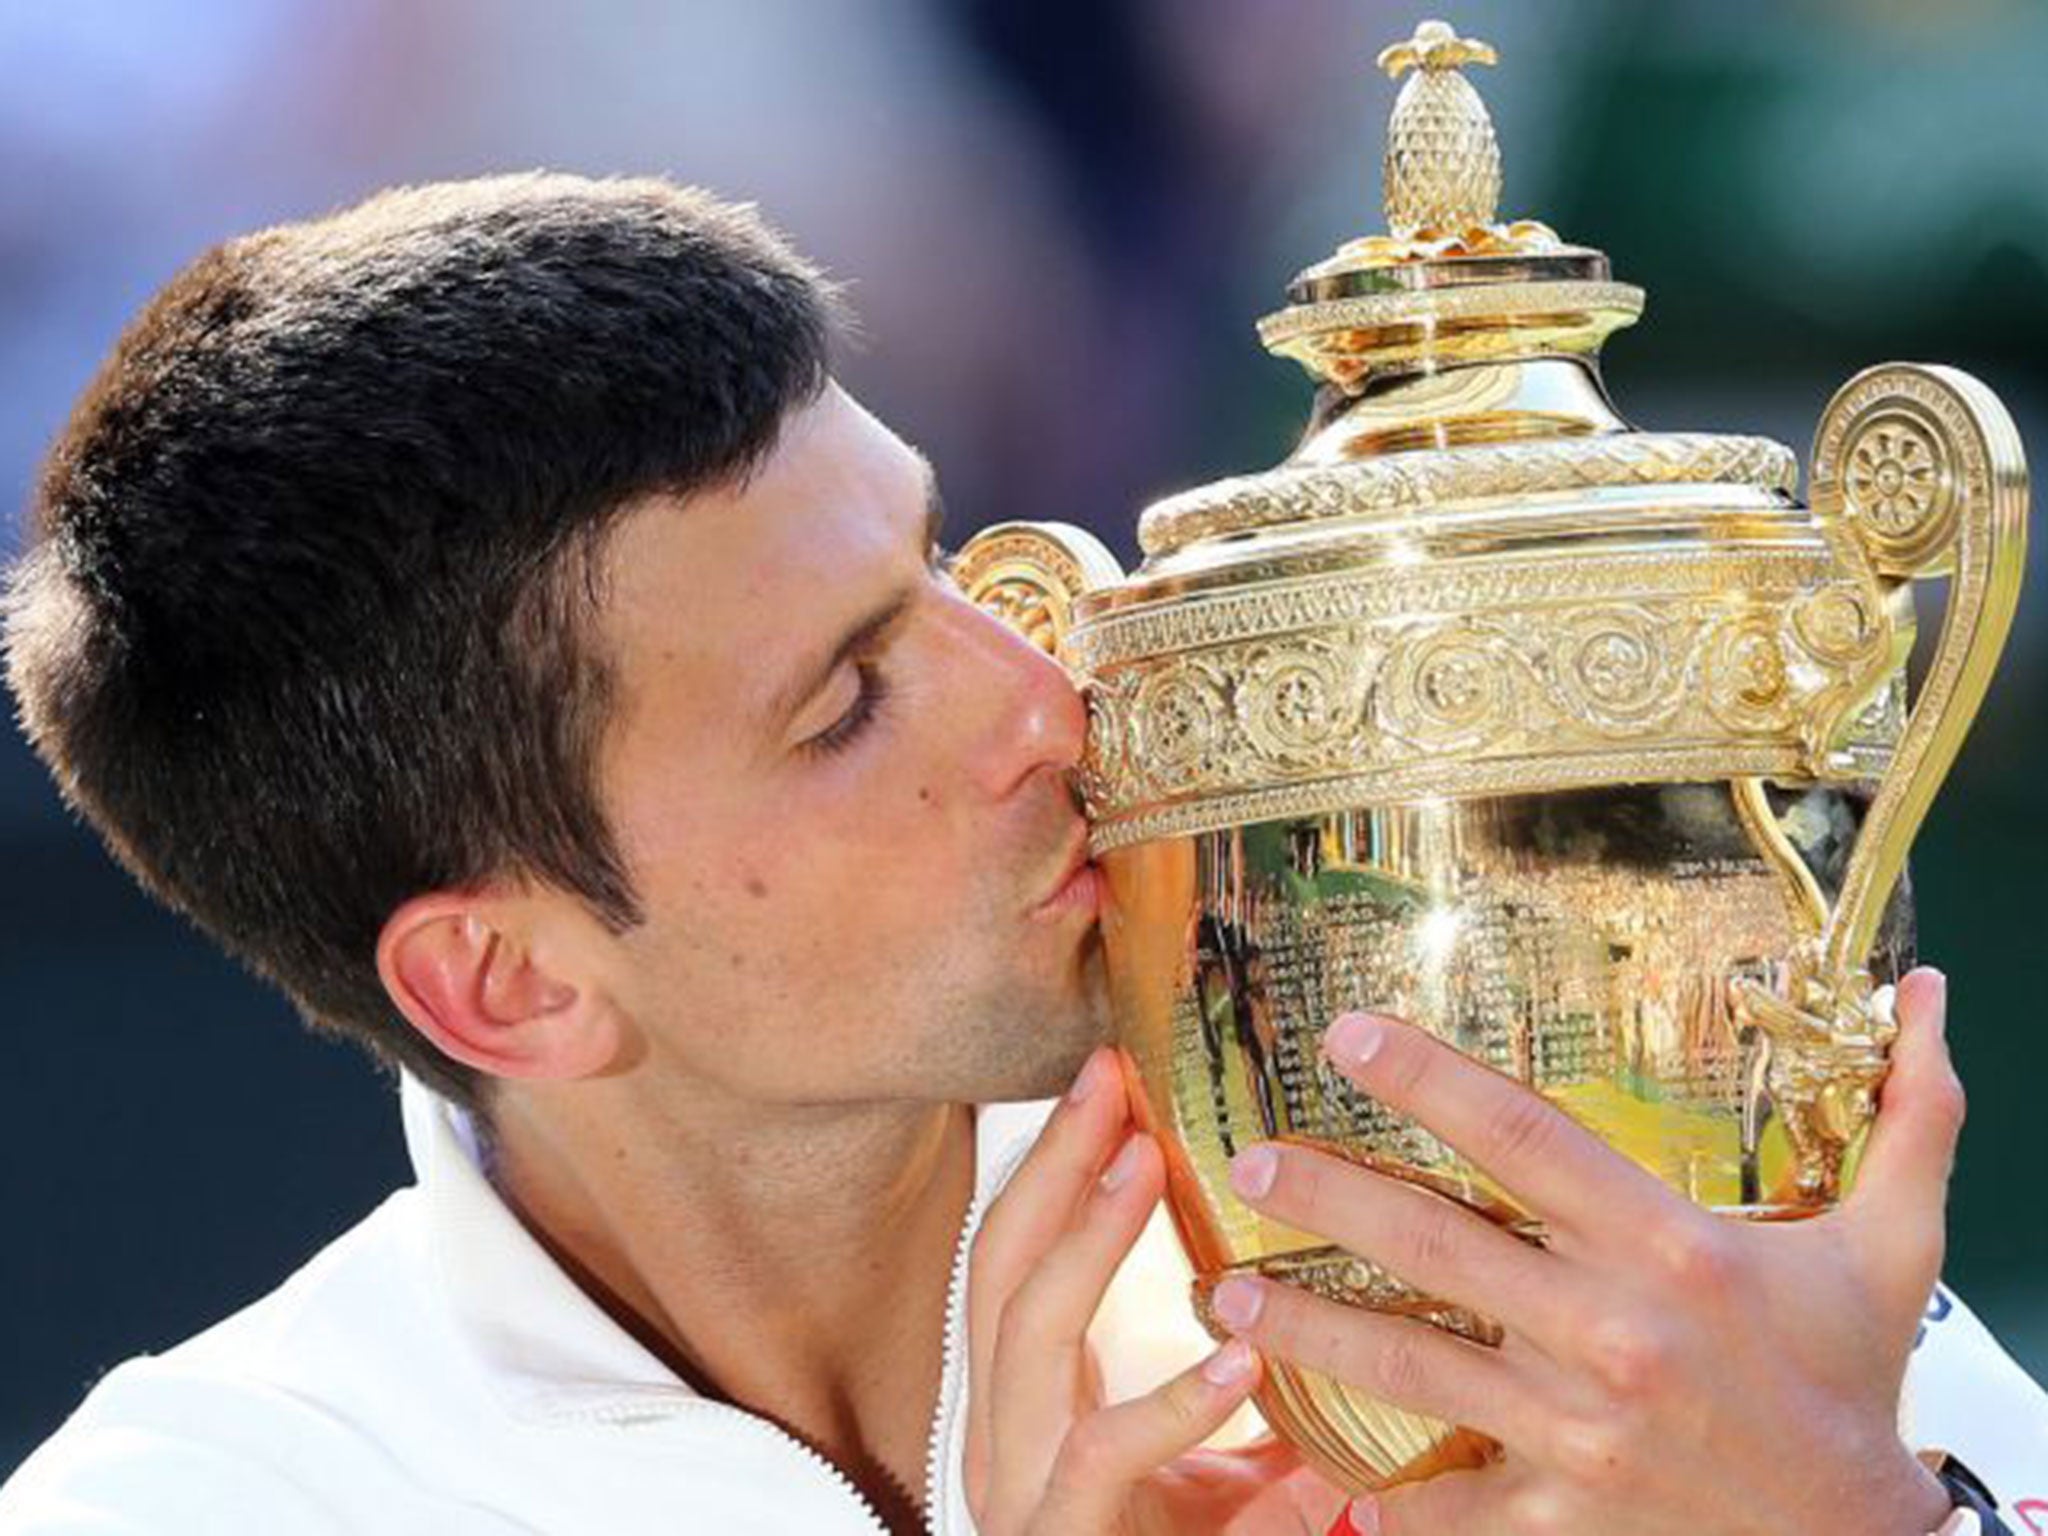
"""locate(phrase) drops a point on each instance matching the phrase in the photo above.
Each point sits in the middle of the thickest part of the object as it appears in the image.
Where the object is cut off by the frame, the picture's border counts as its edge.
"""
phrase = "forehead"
(710, 600)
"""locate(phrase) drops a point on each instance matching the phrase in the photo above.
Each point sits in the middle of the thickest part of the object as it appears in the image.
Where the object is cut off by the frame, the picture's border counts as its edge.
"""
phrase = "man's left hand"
(1664, 1369)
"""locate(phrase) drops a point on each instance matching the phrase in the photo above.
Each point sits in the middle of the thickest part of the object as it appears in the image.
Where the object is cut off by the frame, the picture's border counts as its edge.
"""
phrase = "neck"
(792, 1260)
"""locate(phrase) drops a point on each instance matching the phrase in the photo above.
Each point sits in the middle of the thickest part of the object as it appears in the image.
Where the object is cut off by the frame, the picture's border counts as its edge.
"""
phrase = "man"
(482, 613)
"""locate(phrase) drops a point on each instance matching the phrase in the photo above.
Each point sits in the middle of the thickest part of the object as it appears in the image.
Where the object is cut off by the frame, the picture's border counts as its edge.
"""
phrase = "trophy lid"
(1449, 281)
(1459, 361)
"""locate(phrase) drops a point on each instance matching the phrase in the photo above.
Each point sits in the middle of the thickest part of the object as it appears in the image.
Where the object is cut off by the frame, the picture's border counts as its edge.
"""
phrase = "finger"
(1430, 1242)
(1400, 1359)
(1040, 1197)
(1104, 1456)
(1036, 1205)
(1902, 1186)
(1536, 1152)
(1035, 1367)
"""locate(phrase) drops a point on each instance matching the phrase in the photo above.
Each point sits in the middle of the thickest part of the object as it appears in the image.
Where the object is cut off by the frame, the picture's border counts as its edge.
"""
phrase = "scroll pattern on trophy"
(1504, 679)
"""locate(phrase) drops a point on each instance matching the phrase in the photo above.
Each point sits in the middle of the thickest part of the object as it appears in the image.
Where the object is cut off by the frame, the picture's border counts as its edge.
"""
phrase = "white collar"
(543, 1342)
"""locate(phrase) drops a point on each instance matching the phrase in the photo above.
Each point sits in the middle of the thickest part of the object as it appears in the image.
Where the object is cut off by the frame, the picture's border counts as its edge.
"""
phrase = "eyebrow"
(808, 679)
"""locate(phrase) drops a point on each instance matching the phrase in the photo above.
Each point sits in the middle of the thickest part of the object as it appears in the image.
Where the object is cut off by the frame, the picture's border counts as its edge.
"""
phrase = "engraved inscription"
(1586, 944)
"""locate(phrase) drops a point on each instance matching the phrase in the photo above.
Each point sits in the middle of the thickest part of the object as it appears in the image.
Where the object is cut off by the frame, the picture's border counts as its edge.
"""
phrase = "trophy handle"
(1921, 467)
(1029, 575)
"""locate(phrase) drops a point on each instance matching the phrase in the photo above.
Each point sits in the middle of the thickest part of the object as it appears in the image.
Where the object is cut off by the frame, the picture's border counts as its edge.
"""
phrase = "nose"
(1021, 713)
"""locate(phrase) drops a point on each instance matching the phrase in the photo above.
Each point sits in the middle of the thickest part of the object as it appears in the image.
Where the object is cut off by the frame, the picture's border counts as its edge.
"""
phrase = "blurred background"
(1059, 219)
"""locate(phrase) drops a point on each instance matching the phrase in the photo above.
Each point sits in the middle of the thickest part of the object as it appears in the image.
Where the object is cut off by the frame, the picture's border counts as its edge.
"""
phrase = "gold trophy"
(1587, 749)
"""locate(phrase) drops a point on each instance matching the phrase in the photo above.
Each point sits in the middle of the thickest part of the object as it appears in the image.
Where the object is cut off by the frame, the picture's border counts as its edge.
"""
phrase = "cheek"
(853, 882)
(840, 865)
(871, 836)
(894, 855)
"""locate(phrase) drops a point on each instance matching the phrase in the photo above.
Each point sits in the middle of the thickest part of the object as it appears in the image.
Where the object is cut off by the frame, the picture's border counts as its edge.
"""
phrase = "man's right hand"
(1045, 1454)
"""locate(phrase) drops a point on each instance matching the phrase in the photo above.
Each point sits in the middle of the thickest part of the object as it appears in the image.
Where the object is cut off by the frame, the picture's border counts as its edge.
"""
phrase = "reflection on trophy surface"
(1585, 748)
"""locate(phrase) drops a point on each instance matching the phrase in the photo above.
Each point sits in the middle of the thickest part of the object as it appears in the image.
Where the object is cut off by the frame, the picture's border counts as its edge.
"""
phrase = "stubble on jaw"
(1037, 1057)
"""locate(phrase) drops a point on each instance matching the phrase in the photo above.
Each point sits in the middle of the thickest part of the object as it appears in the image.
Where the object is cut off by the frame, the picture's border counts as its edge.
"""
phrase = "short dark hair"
(302, 622)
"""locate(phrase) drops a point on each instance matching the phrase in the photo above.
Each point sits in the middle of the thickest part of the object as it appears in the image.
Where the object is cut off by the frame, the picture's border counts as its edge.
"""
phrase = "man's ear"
(464, 970)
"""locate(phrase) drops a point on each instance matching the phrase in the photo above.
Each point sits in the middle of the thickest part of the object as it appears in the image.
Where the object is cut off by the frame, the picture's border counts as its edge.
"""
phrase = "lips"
(1077, 887)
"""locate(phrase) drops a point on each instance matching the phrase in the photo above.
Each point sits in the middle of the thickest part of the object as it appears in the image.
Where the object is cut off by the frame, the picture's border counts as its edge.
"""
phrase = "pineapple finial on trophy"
(1442, 173)
(1448, 281)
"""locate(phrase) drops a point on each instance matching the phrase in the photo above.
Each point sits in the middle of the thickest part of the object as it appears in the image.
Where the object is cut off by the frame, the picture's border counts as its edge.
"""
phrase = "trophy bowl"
(1586, 749)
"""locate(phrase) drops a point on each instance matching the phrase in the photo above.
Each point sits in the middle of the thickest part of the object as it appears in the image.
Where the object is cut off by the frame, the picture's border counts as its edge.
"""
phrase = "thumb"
(1902, 1186)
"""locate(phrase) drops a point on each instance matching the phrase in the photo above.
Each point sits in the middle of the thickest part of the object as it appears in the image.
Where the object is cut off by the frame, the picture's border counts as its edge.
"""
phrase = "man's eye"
(843, 732)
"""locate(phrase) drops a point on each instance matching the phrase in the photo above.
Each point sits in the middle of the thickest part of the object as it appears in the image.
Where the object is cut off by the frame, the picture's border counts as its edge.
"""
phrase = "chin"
(1055, 1040)
(1053, 1078)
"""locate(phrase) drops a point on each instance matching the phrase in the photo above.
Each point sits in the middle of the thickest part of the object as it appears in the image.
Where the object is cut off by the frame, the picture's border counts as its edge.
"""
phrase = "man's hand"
(1664, 1369)
(1045, 1456)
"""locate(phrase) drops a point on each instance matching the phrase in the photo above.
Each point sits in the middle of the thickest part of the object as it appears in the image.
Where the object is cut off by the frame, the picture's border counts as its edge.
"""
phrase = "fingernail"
(1229, 1365)
(1940, 1000)
(1119, 1172)
(1237, 1303)
(1253, 1171)
(1364, 1515)
(1354, 1039)
(1086, 1080)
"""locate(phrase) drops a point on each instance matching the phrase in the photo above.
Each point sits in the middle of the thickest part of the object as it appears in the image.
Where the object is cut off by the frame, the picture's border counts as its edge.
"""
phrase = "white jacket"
(434, 1371)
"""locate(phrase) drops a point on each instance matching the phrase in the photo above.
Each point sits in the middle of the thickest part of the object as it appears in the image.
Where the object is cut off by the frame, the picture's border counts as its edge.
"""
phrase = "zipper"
(656, 1405)
(952, 1376)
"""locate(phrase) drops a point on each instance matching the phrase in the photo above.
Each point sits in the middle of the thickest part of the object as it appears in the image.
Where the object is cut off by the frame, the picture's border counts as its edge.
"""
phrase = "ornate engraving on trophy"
(1374, 683)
